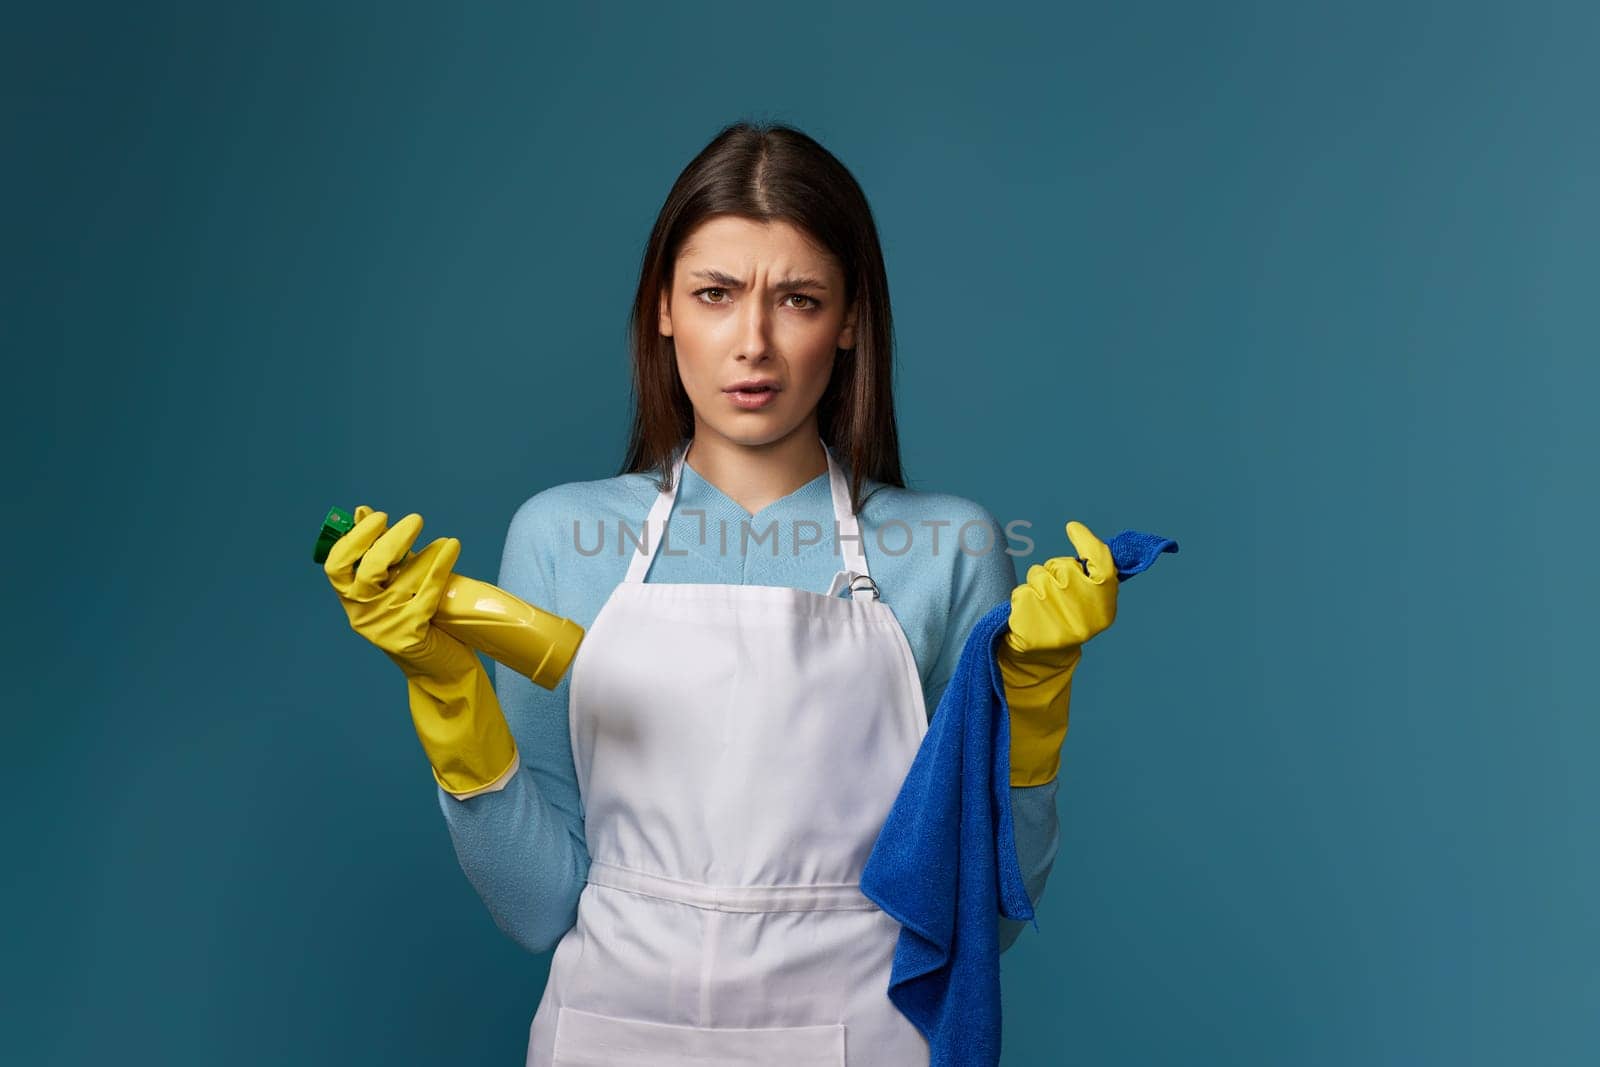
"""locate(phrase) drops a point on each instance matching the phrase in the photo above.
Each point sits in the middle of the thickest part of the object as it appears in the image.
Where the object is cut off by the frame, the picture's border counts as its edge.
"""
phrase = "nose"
(755, 329)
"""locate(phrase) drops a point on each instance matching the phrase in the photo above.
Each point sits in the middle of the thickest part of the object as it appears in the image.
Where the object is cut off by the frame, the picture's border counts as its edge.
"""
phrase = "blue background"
(1310, 289)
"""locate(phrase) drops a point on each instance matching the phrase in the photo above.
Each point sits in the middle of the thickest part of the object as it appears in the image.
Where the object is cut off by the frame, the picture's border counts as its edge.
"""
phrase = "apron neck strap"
(848, 536)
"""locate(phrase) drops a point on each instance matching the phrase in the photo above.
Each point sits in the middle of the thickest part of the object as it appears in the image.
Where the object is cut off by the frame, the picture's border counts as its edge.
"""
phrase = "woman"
(686, 816)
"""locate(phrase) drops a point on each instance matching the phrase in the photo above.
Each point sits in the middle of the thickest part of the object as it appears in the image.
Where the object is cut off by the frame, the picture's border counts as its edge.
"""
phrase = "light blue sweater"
(522, 847)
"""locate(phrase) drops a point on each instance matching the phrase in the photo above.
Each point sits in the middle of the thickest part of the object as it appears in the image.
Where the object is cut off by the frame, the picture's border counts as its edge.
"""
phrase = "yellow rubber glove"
(390, 597)
(1062, 604)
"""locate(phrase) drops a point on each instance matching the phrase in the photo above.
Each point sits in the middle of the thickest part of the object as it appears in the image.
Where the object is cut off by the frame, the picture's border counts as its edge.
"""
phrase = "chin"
(754, 429)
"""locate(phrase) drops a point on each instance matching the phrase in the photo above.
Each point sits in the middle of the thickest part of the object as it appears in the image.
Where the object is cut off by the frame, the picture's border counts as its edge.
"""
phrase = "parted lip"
(752, 383)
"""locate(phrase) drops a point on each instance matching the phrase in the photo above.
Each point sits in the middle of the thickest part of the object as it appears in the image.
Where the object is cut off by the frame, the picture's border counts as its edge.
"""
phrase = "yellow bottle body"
(509, 630)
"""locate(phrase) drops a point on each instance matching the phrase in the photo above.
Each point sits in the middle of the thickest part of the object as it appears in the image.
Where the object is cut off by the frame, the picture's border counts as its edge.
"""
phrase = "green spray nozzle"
(337, 523)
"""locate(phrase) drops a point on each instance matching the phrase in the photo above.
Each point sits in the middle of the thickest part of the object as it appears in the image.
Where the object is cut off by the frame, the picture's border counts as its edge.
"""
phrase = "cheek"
(812, 343)
(691, 347)
(816, 367)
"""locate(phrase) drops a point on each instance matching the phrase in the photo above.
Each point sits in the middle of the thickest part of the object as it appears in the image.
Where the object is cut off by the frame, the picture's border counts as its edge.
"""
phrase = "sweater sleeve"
(522, 846)
(981, 581)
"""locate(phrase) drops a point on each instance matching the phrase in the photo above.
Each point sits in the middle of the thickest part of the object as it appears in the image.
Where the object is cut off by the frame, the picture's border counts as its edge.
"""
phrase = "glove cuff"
(1039, 697)
(463, 731)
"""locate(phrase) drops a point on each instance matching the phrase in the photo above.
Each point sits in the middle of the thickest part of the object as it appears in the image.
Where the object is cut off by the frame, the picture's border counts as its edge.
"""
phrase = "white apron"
(738, 748)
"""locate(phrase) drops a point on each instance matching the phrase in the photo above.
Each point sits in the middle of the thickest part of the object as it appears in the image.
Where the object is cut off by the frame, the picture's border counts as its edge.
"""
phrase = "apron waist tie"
(747, 898)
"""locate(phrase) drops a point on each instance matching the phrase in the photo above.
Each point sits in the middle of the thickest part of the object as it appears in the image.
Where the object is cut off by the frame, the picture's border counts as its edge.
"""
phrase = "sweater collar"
(808, 501)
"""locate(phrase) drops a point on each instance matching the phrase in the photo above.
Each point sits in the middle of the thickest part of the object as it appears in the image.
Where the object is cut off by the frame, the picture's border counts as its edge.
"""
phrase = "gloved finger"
(413, 572)
(1095, 553)
(404, 576)
(1043, 607)
(372, 573)
(361, 512)
(348, 550)
(436, 577)
(1063, 570)
(1055, 574)
(1039, 581)
(1026, 597)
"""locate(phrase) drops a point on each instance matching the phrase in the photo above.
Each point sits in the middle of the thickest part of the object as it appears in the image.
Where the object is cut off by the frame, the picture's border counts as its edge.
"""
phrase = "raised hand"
(390, 595)
(1065, 601)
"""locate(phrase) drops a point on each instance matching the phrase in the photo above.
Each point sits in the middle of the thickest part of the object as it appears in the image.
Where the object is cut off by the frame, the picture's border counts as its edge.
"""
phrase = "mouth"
(751, 395)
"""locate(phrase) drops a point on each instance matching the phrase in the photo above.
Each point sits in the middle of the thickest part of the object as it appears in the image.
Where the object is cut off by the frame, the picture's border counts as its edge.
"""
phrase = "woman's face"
(755, 300)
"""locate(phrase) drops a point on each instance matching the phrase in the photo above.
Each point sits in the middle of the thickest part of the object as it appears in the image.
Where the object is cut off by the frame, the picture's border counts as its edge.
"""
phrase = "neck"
(753, 476)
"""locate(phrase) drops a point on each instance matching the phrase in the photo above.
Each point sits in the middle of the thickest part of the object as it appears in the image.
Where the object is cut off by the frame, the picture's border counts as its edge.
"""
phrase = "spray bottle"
(527, 639)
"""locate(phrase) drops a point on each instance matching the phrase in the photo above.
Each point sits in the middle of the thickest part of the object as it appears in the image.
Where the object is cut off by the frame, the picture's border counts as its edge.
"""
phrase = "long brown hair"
(768, 171)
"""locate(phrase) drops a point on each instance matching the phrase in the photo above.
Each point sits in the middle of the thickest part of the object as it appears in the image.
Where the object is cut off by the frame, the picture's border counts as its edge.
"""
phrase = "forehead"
(731, 242)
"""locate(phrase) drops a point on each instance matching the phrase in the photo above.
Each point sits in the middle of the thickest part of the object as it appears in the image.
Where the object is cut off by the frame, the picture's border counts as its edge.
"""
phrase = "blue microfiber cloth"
(948, 848)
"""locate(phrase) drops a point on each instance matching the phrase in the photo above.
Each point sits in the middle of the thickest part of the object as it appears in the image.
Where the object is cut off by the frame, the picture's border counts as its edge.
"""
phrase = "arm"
(979, 583)
(522, 845)
(1066, 601)
(1038, 831)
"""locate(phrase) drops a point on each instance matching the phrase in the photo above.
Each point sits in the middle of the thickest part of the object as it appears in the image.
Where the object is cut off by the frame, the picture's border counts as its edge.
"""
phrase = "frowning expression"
(760, 305)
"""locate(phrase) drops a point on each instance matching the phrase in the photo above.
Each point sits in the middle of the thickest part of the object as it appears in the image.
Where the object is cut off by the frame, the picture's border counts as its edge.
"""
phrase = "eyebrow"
(728, 281)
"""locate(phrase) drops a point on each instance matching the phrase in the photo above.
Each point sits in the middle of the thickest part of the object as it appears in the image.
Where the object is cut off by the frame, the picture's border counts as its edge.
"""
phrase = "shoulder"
(621, 495)
(544, 536)
(555, 508)
(945, 533)
(928, 513)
